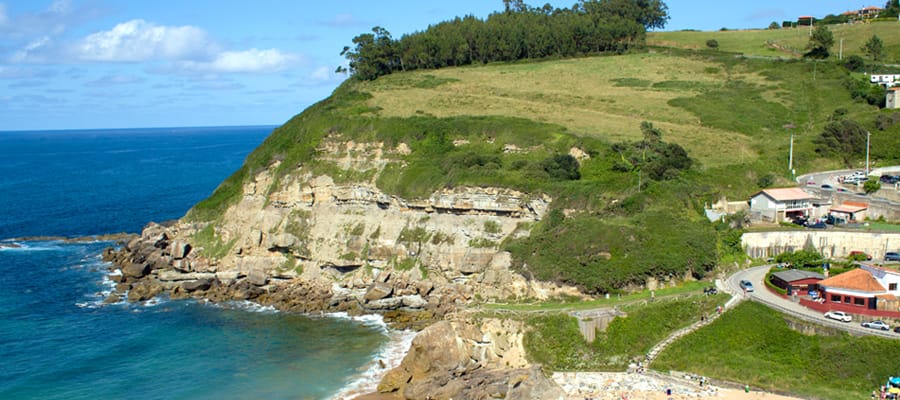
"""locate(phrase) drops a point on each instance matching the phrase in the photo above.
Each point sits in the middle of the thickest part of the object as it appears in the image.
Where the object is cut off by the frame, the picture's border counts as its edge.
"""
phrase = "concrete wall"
(830, 243)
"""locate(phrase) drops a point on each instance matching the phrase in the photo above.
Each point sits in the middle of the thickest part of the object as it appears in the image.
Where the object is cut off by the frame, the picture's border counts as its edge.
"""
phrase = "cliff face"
(314, 240)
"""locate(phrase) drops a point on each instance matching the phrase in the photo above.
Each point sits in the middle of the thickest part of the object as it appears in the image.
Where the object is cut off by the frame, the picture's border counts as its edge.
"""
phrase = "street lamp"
(868, 136)
(788, 127)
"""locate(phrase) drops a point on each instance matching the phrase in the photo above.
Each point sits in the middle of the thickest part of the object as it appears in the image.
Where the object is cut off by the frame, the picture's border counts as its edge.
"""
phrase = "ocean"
(59, 341)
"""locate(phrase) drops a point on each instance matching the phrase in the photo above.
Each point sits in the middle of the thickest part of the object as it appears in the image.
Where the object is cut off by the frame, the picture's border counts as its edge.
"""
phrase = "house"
(781, 204)
(891, 100)
(867, 287)
(869, 12)
(850, 210)
(796, 281)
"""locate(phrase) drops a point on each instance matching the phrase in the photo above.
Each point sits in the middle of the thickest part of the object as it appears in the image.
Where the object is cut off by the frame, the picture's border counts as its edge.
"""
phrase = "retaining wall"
(830, 243)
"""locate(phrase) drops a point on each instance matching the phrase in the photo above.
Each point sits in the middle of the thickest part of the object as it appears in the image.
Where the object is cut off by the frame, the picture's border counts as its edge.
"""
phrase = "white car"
(839, 315)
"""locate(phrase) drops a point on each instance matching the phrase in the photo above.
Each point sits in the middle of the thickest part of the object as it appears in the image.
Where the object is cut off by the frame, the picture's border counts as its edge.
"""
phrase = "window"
(860, 302)
(847, 299)
(836, 298)
(892, 286)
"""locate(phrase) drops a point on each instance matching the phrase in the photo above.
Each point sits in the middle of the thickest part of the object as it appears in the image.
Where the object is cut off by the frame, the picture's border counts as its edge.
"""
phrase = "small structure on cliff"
(590, 321)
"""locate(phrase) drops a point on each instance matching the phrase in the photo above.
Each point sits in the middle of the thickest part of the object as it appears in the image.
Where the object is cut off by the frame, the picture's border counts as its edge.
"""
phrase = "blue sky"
(80, 64)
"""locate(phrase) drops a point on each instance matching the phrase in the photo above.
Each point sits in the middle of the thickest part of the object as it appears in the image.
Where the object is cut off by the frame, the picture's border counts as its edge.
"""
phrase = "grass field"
(791, 42)
(729, 113)
(753, 345)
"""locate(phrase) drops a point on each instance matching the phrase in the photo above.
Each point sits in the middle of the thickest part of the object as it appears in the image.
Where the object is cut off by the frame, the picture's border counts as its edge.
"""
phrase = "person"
(746, 388)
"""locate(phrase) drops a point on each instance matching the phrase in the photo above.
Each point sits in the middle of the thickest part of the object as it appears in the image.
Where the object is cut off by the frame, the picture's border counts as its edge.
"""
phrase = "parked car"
(747, 286)
(859, 255)
(817, 225)
(832, 220)
(876, 325)
(889, 179)
(892, 256)
(839, 315)
(810, 182)
(827, 186)
(897, 329)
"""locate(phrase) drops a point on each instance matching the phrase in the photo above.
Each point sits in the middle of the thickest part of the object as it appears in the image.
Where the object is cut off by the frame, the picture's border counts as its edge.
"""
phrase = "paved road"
(763, 295)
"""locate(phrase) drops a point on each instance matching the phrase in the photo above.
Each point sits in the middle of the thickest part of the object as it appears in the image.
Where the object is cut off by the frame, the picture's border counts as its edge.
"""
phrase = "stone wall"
(830, 243)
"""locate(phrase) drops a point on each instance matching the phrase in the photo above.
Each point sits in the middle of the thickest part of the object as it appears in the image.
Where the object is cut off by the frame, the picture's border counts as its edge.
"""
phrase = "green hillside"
(788, 42)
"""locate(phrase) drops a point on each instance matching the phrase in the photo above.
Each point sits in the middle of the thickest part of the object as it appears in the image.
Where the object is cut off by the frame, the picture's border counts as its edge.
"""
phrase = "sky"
(86, 64)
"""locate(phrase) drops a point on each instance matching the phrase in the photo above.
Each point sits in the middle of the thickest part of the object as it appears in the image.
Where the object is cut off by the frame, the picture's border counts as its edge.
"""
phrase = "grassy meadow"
(729, 113)
(788, 42)
(753, 345)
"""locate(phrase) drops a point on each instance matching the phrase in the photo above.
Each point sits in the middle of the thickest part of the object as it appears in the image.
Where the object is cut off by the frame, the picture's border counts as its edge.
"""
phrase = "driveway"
(761, 294)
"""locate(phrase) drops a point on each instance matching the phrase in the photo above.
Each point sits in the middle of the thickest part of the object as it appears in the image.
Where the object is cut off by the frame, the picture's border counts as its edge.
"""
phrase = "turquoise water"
(57, 339)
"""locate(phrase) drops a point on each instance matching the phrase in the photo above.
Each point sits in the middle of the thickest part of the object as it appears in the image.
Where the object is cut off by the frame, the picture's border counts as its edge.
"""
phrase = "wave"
(388, 357)
(30, 246)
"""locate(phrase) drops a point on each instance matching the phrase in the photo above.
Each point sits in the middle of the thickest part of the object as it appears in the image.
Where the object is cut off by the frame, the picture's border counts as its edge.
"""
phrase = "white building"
(782, 204)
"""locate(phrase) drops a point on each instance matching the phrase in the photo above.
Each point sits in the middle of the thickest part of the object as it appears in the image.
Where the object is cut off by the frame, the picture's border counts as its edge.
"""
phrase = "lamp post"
(788, 127)
(868, 136)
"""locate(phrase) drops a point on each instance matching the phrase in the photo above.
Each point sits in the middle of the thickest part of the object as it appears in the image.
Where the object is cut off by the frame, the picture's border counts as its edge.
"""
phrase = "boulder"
(199, 284)
(179, 249)
(282, 241)
(424, 287)
(390, 303)
(142, 292)
(414, 301)
(136, 270)
(227, 277)
(170, 276)
(378, 291)
(257, 277)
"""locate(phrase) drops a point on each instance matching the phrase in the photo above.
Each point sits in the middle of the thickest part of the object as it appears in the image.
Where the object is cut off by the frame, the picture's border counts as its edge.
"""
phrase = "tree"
(774, 25)
(820, 43)
(855, 63)
(891, 9)
(842, 137)
(874, 48)
(871, 186)
(712, 43)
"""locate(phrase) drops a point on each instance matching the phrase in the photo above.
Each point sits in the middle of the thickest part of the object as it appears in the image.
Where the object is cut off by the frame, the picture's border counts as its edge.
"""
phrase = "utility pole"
(868, 135)
(788, 127)
(841, 51)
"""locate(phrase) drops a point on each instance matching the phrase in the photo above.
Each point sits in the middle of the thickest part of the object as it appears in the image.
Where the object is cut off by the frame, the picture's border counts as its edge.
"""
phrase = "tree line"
(518, 32)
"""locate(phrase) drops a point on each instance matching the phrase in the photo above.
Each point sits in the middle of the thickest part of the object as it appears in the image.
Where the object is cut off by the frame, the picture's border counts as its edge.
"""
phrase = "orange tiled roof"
(783, 194)
(857, 279)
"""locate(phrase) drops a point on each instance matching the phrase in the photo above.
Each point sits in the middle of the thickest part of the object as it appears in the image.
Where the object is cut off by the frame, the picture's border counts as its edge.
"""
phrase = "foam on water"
(388, 357)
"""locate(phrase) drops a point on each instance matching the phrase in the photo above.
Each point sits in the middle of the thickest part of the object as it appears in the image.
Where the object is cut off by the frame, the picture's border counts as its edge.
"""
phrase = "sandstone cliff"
(311, 241)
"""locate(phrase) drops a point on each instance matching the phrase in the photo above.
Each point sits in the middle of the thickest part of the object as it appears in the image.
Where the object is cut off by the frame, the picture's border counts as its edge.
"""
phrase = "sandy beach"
(649, 386)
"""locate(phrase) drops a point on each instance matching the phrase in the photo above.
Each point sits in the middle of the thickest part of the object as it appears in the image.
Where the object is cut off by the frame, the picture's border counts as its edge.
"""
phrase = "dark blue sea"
(57, 338)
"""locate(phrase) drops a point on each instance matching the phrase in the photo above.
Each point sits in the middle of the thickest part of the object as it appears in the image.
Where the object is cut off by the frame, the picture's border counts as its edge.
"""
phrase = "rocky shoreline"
(153, 264)
(452, 356)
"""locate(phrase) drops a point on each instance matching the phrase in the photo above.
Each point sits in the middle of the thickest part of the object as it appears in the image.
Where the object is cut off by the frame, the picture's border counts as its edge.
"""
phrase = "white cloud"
(34, 51)
(252, 60)
(138, 40)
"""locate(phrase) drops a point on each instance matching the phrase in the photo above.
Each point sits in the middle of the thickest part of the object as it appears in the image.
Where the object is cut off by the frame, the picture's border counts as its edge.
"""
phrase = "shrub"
(712, 43)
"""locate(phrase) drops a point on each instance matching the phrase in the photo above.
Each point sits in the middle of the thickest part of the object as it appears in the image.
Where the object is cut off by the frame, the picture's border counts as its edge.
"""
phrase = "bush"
(561, 167)
(712, 43)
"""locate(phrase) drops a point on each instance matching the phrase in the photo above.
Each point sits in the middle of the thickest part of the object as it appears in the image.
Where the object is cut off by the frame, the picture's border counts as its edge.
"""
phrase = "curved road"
(761, 294)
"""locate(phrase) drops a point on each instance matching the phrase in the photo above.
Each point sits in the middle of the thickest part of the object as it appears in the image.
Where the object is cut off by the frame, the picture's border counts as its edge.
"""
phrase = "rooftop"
(857, 279)
(850, 207)
(786, 194)
(792, 275)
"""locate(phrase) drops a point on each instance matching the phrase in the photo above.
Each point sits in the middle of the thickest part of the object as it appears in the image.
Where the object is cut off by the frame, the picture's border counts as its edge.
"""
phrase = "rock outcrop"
(461, 360)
